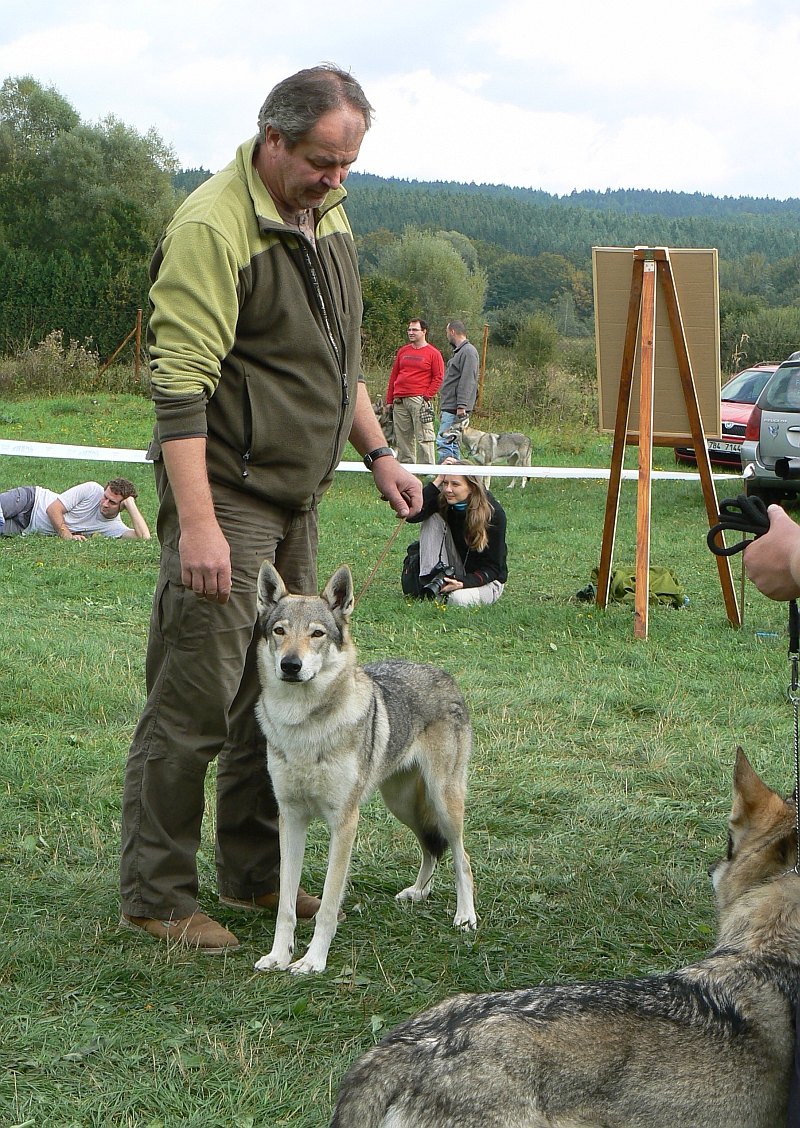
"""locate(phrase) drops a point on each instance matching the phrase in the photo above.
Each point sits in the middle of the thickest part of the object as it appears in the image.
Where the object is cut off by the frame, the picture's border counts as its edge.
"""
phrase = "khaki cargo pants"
(414, 437)
(202, 686)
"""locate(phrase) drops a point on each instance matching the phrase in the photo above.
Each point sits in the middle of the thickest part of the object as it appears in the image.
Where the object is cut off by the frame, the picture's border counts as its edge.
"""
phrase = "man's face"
(451, 336)
(416, 334)
(301, 177)
(111, 503)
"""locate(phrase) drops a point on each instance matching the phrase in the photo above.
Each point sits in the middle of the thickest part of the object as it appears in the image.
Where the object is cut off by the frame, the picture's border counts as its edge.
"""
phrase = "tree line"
(83, 204)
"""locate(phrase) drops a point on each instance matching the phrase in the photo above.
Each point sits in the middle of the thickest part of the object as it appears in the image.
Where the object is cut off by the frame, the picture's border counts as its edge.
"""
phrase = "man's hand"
(205, 553)
(773, 560)
(205, 560)
(398, 486)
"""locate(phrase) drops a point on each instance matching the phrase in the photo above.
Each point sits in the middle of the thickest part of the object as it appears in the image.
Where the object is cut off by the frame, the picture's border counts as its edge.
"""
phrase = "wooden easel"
(647, 262)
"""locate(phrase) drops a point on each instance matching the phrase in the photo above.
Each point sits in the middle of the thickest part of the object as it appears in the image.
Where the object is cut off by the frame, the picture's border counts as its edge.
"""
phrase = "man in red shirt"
(416, 378)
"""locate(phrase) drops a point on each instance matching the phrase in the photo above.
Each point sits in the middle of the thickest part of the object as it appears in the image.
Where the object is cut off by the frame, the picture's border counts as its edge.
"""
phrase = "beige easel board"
(696, 276)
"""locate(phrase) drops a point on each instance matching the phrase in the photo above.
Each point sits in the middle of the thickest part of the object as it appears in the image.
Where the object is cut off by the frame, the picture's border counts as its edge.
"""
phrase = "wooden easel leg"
(696, 424)
(646, 385)
(620, 434)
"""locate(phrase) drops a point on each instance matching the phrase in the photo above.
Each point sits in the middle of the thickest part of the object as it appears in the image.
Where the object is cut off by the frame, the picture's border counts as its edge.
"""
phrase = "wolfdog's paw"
(466, 921)
(308, 964)
(413, 894)
(278, 960)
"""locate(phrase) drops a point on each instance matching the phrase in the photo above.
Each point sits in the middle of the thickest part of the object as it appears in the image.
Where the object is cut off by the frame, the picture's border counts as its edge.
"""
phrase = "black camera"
(432, 588)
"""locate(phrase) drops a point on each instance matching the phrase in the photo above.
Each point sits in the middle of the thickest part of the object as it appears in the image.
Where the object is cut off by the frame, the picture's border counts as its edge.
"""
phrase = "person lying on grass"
(463, 527)
(75, 514)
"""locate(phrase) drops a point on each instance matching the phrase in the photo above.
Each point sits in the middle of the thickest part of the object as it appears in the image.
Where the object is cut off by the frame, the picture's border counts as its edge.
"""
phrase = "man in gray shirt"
(459, 388)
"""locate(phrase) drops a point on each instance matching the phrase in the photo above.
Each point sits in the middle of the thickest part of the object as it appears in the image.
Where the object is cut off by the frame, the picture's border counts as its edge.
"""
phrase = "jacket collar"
(268, 215)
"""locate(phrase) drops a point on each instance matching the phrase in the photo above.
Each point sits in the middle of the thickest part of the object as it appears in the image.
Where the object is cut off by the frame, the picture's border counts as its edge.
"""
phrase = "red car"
(738, 397)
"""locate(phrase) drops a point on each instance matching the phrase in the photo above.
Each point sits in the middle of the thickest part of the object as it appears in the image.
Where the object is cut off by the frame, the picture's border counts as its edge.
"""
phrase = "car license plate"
(729, 448)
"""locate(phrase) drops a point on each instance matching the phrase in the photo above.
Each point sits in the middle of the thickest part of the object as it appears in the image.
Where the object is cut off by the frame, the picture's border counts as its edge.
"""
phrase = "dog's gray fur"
(709, 1046)
(383, 413)
(486, 448)
(335, 732)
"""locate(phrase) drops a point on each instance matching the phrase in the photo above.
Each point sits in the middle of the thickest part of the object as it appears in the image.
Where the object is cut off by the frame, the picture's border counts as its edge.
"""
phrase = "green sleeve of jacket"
(192, 325)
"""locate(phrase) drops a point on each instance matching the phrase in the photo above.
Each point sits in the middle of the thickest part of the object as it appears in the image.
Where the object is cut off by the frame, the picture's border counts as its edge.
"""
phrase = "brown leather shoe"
(306, 906)
(197, 931)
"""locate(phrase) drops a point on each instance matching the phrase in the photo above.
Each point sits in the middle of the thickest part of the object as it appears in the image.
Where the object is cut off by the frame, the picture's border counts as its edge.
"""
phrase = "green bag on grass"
(665, 587)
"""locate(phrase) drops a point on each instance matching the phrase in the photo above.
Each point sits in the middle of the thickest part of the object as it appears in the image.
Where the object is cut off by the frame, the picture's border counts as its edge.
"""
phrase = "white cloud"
(431, 129)
(696, 94)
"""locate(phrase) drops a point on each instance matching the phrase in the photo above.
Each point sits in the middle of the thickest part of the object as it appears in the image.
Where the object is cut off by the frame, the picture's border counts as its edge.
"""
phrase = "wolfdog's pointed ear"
(753, 801)
(338, 593)
(271, 588)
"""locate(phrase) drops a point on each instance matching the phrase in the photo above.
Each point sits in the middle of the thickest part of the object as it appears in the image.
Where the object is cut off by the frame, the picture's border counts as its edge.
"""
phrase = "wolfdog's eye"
(278, 631)
(317, 633)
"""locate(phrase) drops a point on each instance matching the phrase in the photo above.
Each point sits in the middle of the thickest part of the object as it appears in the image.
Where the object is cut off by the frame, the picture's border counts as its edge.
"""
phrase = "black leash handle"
(744, 515)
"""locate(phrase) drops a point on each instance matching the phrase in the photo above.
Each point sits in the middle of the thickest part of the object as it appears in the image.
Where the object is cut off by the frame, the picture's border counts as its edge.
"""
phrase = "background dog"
(710, 1046)
(384, 415)
(486, 448)
(335, 732)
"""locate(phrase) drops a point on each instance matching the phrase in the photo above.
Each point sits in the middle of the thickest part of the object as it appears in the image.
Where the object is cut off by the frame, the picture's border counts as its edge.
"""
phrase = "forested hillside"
(639, 201)
(559, 225)
(83, 204)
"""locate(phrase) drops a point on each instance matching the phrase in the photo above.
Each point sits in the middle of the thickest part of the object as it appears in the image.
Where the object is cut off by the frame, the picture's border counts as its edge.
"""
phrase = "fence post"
(483, 365)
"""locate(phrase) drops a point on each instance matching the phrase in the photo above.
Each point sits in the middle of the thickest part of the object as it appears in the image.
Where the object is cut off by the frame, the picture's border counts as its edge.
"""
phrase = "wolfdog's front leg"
(292, 833)
(342, 838)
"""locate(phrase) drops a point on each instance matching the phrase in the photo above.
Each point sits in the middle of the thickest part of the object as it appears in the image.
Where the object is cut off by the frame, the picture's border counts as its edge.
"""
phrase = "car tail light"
(753, 427)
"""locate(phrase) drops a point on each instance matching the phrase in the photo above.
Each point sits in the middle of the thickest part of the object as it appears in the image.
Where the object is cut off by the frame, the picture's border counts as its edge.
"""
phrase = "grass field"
(599, 789)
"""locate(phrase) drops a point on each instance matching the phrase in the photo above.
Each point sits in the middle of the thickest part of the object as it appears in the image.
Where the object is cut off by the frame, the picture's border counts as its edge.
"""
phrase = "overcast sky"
(693, 95)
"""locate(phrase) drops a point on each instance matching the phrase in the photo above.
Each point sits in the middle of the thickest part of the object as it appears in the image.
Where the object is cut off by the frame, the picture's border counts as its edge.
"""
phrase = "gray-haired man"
(459, 388)
(254, 343)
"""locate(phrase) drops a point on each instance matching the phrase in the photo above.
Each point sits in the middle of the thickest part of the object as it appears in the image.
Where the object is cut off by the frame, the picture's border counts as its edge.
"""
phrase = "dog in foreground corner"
(709, 1046)
(335, 732)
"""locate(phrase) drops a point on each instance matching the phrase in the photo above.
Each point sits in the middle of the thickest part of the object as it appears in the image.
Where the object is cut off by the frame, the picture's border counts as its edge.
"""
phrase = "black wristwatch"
(374, 455)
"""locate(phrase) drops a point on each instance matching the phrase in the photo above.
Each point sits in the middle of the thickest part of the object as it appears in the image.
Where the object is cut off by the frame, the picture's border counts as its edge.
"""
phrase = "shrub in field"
(54, 367)
(525, 396)
(537, 341)
(759, 335)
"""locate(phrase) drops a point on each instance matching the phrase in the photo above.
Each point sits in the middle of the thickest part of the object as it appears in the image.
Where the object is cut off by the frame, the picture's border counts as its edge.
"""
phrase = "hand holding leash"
(745, 515)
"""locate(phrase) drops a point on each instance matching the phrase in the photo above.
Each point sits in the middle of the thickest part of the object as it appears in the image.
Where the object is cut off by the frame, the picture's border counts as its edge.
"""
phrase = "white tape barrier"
(59, 450)
(118, 454)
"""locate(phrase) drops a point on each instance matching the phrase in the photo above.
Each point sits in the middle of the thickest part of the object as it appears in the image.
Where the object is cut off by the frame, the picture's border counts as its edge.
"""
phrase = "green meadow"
(599, 789)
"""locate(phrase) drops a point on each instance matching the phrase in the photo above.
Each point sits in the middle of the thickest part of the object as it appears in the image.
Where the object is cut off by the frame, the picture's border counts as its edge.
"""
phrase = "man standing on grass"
(75, 514)
(459, 388)
(254, 343)
(415, 379)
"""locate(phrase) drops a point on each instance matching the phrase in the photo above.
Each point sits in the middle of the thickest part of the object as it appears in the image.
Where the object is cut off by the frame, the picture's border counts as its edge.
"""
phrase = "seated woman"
(463, 527)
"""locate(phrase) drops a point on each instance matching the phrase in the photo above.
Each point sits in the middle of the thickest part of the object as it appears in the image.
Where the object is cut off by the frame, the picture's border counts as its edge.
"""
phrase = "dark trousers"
(16, 506)
(202, 686)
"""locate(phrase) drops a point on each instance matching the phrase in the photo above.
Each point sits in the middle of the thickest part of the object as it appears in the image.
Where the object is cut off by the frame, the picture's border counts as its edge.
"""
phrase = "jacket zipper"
(323, 310)
(247, 412)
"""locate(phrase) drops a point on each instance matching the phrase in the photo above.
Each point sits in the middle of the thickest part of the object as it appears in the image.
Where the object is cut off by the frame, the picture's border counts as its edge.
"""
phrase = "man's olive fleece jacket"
(254, 336)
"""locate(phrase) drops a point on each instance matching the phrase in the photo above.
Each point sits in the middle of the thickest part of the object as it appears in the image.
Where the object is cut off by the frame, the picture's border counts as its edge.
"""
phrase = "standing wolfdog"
(335, 732)
(486, 448)
(709, 1046)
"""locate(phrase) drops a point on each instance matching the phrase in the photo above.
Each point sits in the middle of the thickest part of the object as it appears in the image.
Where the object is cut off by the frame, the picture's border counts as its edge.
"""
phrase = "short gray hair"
(296, 104)
(458, 327)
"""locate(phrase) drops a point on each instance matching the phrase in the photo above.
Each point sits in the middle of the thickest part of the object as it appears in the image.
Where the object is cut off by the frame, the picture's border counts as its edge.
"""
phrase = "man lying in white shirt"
(75, 514)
